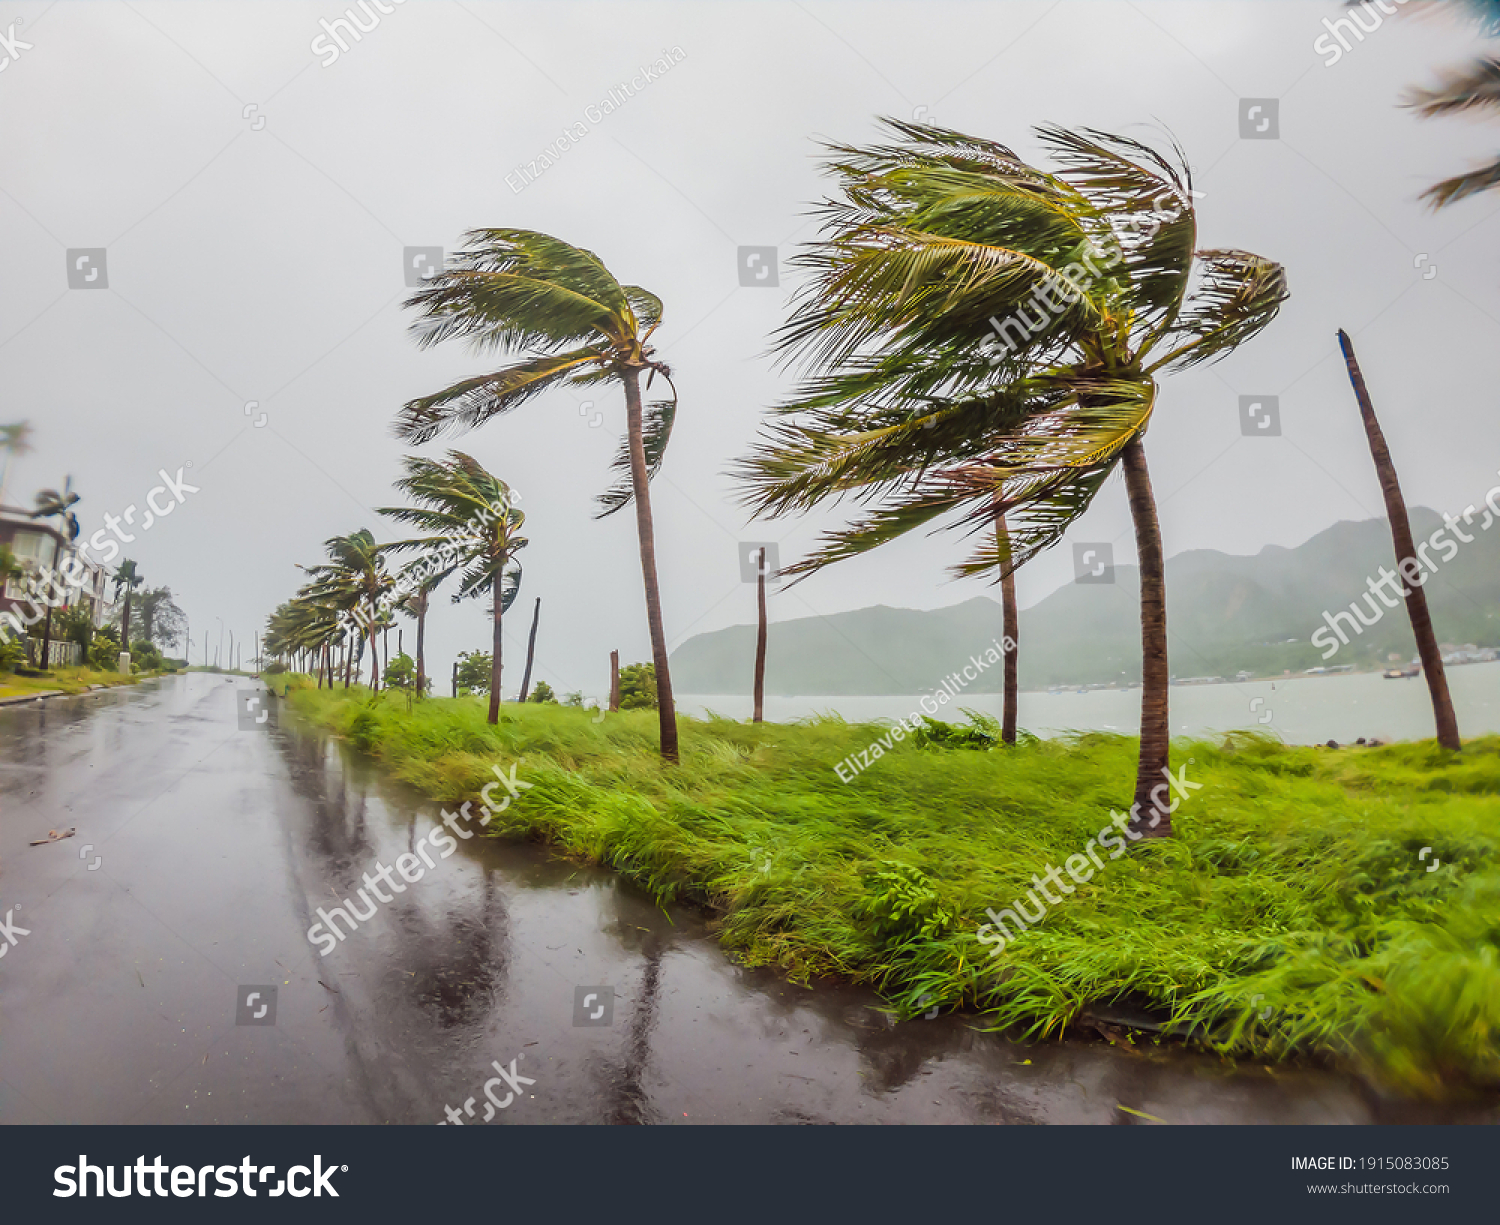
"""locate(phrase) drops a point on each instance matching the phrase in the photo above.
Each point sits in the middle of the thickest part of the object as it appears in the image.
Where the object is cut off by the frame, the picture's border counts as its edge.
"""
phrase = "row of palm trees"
(904, 405)
(935, 242)
(472, 530)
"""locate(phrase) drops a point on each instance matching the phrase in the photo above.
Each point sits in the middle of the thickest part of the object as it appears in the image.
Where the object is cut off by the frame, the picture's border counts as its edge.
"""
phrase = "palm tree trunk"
(1011, 632)
(666, 708)
(1416, 597)
(760, 640)
(348, 663)
(531, 649)
(421, 639)
(374, 657)
(614, 681)
(1156, 728)
(495, 646)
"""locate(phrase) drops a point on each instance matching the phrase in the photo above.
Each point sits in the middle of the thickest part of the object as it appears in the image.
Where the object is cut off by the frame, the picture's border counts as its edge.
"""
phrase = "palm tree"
(1416, 598)
(1473, 87)
(354, 580)
(127, 575)
(15, 439)
(943, 241)
(55, 504)
(470, 515)
(573, 324)
(414, 604)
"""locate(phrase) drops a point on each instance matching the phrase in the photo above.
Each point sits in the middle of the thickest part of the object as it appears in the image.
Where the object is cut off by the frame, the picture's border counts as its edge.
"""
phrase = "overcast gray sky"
(254, 200)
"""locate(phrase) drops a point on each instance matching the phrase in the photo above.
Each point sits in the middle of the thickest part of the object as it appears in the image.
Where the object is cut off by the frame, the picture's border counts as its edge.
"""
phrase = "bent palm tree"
(472, 519)
(944, 242)
(354, 580)
(1473, 87)
(521, 291)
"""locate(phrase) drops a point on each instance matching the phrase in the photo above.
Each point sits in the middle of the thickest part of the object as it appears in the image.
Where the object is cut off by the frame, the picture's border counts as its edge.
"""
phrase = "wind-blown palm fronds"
(473, 528)
(569, 323)
(981, 339)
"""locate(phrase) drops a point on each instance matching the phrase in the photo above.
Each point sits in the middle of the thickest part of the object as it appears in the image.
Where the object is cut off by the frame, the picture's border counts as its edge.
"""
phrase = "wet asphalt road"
(216, 845)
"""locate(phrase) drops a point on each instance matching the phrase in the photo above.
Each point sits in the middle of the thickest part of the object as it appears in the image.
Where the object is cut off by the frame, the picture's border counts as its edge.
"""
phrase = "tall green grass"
(1294, 884)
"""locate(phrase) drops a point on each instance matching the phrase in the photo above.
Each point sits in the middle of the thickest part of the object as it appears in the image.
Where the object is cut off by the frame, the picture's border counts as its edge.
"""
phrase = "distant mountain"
(1224, 614)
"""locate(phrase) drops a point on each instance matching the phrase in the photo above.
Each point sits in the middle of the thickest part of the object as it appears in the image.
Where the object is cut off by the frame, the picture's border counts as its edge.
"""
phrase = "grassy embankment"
(68, 680)
(1295, 883)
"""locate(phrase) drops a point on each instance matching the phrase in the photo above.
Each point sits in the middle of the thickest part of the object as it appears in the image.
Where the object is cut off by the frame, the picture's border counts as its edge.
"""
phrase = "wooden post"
(531, 649)
(614, 680)
(760, 640)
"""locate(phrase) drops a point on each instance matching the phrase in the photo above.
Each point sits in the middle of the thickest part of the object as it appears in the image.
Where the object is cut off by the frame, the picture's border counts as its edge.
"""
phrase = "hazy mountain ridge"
(1224, 613)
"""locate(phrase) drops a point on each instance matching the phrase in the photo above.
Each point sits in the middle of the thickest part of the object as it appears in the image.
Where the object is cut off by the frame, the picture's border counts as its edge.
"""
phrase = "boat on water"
(1395, 674)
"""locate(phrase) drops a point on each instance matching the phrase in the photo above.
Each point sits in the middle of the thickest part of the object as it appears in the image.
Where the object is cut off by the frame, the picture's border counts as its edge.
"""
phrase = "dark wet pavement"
(216, 846)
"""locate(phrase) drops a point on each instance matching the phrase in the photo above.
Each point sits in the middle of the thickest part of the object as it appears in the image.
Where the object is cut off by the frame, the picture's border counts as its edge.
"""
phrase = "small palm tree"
(127, 575)
(470, 517)
(940, 242)
(414, 604)
(523, 292)
(55, 504)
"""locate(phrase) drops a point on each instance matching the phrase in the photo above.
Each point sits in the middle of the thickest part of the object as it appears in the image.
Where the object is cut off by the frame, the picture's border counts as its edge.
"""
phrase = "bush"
(145, 655)
(11, 654)
(638, 687)
(274, 668)
(474, 668)
(104, 653)
(543, 693)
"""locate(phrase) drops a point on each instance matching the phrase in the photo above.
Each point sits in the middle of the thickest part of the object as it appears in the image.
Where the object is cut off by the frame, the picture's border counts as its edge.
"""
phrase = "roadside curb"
(31, 697)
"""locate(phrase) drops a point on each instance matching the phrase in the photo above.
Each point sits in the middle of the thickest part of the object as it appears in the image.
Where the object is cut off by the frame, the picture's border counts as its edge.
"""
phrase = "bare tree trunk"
(499, 606)
(1011, 632)
(666, 707)
(455, 678)
(374, 655)
(47, 635)
(1406, 554)
(1156, 728)
(760, 641)
(614, 680)
(531, 649)
(421, 639)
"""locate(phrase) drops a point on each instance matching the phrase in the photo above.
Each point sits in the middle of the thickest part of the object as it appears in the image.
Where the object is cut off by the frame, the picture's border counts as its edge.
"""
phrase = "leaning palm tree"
(470, 517)
(1464, 90)
(355, 581)
(985, 340)
(572, 324)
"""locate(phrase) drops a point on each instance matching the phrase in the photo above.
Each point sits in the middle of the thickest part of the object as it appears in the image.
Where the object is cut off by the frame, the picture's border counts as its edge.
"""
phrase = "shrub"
(638, 687)
(474, 668)
(104, 653)
(543, 693)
